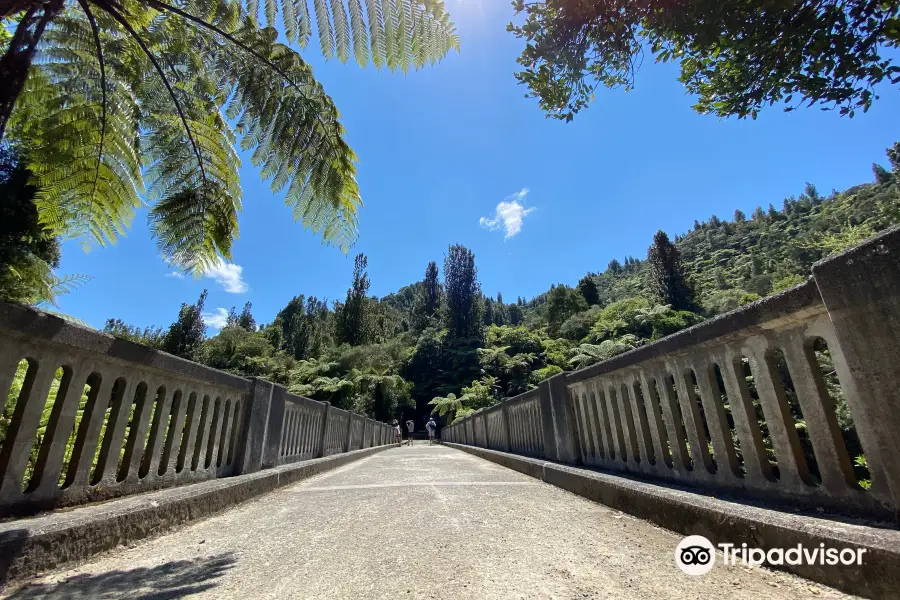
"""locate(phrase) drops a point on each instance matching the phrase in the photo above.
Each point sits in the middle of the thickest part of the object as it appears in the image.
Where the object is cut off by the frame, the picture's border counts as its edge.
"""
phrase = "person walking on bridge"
(431, 426)
(398, 434)
(410, 426)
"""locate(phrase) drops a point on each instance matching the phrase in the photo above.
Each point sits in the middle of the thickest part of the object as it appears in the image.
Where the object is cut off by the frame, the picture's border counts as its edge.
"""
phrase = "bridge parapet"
(741, 403)
(99, 417)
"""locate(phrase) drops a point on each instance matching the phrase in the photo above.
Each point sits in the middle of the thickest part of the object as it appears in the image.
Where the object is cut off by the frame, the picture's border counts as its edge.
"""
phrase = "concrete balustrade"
(731, 404)
(99, 417)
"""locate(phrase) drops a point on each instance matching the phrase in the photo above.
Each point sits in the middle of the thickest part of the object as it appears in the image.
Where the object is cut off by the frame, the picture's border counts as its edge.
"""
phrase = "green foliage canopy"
(736, 56)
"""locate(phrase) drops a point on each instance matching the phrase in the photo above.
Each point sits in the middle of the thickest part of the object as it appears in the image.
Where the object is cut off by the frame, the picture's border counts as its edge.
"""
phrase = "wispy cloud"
(216, 320)
(229, 276)
(175, 274)
(509, 214)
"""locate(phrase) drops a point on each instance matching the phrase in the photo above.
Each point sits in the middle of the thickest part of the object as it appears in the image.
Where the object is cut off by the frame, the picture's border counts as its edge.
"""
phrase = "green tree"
(97, 91)
(487, 312)
(462, 307)
(245, 319)
(353, 326)
(562, 303)
(735, 55)
(426, 309)
(588, 354)
(882, 175)
(148, 336)
(515, 314)
(501, 312)
(668, 283)
(893, 154)
(587, 287)
(185, 336)
(28, 254)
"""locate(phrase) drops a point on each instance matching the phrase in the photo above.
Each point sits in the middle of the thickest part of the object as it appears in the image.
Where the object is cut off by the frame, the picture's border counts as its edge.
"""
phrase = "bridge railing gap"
(88, 417)
(740, 404)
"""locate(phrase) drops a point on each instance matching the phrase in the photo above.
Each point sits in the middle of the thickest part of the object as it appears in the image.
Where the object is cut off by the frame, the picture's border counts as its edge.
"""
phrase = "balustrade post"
(504, 424)
(258, 402)
(349, 437)
(323, 439)
(558, 420)
(861, 290)
(272, 450)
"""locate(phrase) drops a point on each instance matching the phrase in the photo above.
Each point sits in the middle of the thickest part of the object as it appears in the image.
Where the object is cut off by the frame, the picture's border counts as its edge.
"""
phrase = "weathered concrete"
(560, 435)
(861, 289)
(28, 546)
(720, 521)
(684, 409)
(420, 522)
(185, 423)
(256, 427)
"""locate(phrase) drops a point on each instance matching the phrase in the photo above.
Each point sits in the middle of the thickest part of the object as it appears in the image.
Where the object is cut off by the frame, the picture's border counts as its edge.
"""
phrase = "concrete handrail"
(690, 408)
(150, 420)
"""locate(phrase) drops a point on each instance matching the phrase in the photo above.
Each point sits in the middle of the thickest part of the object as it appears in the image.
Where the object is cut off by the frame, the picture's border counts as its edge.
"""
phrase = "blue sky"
(439, 149)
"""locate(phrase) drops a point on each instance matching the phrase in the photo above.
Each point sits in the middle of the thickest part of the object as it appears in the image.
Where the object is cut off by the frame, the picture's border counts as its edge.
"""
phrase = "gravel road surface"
(419, 522)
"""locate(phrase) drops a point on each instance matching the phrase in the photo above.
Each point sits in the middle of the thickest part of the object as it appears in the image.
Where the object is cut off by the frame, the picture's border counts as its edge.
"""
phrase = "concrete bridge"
(420, 522)
(776, 426)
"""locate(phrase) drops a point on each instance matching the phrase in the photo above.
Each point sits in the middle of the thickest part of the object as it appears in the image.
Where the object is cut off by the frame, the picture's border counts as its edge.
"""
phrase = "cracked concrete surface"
(419, 522)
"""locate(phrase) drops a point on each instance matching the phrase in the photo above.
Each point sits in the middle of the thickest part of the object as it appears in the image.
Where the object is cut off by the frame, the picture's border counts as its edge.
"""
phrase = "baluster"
(23, 427)
(658, 433)
(716, 420)
(161, 422)
(120, 402)
(59, 427)
(137, 437)
(176, 429)
(639, 415)
(791, 466)
(88, 434)
(756, 462)
(819, 413)
(693, 423)
(680, 457)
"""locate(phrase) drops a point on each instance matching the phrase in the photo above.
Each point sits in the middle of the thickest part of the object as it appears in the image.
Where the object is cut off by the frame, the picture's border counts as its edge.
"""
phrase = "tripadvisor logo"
(696, 555)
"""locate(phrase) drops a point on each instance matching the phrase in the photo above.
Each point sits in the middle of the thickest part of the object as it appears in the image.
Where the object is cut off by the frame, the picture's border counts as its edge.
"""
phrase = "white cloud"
(228, 275)
(509, 214)
(216, 320)
(175, 274)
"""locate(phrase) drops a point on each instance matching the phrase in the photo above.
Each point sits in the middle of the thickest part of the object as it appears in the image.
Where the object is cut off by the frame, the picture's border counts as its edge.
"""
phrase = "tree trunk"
(16, 61)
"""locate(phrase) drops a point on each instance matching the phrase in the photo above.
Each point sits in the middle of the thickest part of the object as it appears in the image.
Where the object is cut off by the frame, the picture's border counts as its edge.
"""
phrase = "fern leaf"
(326, 33)
(341, 29)
(376, 32)
(358, 29)
(305, 29)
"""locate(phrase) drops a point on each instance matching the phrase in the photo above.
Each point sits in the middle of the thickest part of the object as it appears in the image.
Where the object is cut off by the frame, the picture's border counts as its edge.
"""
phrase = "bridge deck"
(420, 522)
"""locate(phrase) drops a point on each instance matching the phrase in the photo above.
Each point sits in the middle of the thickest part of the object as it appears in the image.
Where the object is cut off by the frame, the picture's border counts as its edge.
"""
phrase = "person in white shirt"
(409, 428)
(398, 434)
(431, 426)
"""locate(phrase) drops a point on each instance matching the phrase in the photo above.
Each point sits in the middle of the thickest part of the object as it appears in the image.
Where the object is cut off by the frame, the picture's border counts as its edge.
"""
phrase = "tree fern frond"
(193, 227)
(143, 90)
(253, 9)
(326, 32)
(341, 29)
(77, 117)
(376, 32)
(271, 7)
(360, 37)
(304, 26)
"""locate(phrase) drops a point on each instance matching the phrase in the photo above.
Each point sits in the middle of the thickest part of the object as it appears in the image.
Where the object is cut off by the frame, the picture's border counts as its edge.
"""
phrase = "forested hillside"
(440, 345)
